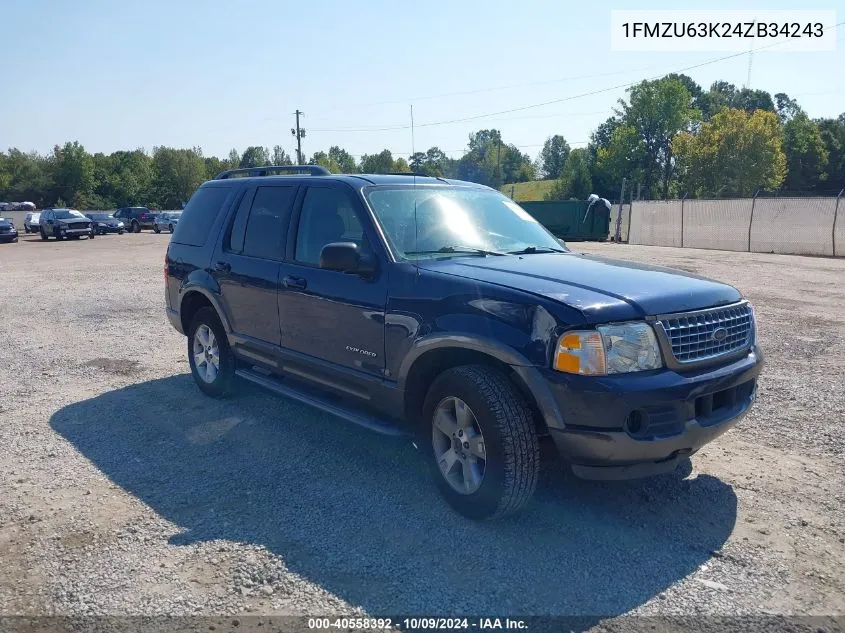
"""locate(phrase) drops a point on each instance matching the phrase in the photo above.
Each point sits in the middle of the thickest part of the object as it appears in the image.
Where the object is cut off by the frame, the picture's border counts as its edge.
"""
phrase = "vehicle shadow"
(357, 514)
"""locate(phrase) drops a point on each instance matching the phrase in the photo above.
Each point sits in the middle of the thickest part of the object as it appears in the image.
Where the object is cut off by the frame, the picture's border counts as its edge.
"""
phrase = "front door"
(334, 317)
(246, 265)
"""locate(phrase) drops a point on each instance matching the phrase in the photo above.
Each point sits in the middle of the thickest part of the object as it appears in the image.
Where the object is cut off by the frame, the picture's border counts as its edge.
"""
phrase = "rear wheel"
(43, 234)
(26, 229)
(136, 228)
(156, 229)
(484, 453)
(209, 355)
(170, 228)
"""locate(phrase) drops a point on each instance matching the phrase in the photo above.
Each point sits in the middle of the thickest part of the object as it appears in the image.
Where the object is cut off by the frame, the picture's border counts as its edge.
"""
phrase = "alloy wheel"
(459, 445)
(206, 354)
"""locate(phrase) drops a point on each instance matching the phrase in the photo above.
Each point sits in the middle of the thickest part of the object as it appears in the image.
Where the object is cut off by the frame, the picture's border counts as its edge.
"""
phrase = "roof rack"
(313, 170)
(410, 173)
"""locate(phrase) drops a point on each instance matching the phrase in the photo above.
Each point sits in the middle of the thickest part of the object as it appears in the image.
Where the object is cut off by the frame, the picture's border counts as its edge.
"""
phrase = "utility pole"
(617, 236)
(499, 163)
(298, 133)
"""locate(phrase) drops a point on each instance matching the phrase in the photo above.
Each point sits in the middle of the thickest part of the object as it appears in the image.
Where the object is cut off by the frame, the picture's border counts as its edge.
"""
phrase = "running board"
(317, 401)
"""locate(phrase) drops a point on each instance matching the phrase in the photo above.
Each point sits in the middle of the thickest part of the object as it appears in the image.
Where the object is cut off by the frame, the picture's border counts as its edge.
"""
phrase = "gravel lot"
(126, 491)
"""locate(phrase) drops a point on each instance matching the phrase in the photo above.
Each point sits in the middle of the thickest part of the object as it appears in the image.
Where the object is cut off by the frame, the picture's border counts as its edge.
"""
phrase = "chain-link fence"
(797, 225)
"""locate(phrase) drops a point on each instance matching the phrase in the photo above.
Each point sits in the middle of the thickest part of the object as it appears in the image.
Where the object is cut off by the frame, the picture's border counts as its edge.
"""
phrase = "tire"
(156, 229)
(171, 229)
(26, 229)
(221, 384)
(508, 442)
(120, 232)
(43, 234)
(136, 228)
(93, 235)
(57, 235)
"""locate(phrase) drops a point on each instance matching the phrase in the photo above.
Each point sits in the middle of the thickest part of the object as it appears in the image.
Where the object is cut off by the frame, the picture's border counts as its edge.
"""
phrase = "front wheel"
(484, 453)
(136, 228)
(170, 228)
(156, 229)
(209, 355)
(26, 229)
(43, 234)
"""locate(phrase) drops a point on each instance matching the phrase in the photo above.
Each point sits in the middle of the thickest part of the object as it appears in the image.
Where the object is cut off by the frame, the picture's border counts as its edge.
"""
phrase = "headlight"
(609, 349)
(120, 223)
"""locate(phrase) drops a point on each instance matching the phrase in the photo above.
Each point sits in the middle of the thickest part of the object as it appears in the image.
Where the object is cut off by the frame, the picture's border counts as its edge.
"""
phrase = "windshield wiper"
(456, 249)
(530, 250)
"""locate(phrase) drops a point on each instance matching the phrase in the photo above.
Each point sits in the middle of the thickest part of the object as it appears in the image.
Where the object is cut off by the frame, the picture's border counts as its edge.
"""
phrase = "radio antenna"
(416, 235)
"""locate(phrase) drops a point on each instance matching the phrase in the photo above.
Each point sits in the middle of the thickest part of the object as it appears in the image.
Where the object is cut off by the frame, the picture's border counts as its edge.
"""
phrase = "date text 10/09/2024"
(417, 624)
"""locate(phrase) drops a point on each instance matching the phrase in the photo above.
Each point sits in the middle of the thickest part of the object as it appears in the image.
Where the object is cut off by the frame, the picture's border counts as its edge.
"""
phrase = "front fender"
(527, 373)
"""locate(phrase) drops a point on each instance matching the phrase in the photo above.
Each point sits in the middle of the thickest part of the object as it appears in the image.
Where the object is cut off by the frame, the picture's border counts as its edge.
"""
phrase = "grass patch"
(528, 191)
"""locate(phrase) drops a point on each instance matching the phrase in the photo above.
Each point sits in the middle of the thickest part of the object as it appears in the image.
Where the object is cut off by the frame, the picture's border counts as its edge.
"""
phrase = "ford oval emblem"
(719, 334)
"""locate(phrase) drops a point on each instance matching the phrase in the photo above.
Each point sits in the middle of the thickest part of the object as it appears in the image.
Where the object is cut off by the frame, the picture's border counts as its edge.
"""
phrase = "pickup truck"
(441, 310)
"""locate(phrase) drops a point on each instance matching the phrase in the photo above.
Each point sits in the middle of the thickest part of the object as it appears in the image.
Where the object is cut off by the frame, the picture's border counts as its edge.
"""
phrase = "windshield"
(67, 214)
(453, 221)
(100, 216)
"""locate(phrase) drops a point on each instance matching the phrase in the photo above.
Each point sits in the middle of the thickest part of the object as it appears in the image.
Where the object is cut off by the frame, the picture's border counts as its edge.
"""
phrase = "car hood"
(5, 225)
(602, 289)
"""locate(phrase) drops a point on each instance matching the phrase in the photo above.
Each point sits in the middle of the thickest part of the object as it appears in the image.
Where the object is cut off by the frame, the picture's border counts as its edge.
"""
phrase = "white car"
(166, 221)
(32, 222)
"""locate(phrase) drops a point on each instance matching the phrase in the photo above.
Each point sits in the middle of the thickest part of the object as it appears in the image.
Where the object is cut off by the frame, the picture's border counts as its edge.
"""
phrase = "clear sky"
(127, 74)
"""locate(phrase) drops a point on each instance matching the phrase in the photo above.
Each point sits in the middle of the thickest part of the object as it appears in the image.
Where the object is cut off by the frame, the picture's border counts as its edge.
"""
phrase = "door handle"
(223, 267)
(295, 282)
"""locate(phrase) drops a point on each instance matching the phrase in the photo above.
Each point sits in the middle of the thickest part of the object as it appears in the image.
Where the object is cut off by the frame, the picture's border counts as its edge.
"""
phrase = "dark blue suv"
(441, 309)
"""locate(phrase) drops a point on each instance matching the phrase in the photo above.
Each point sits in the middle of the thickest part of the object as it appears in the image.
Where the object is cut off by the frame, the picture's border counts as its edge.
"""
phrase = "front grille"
(691, 335)
(77, 225)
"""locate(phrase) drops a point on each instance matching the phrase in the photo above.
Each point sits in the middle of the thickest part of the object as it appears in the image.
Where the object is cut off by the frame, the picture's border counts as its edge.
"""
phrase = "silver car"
(166, 221)
(31, 222)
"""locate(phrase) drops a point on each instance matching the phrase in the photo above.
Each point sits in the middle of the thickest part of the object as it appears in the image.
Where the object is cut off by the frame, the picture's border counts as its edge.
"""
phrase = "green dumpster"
(570, 220)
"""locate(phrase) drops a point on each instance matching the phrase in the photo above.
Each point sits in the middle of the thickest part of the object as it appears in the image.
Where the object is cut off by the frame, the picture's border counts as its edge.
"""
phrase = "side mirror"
(340, 256)
(345, 257)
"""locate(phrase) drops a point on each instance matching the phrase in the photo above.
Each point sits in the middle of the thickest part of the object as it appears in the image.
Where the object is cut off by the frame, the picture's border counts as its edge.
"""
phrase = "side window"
(268, 219)
(328, 215)
(199, 215)
(234, 241)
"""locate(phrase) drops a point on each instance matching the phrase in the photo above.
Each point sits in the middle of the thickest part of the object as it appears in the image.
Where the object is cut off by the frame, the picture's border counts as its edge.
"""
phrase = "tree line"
(670, 137)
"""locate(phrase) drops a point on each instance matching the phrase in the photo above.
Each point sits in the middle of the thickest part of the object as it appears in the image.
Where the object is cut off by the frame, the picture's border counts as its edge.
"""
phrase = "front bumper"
(621, 427)
(110, 229)
(72, 232)
(9, 237)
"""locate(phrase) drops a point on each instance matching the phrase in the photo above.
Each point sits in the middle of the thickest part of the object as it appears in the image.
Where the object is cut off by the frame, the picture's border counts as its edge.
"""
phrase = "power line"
(562, 99)
(492, 89)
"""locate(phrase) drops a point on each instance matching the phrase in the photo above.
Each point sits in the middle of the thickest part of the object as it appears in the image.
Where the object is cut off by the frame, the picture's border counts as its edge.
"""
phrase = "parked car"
(166, 221)
(31, 222)
(136, 218)
(64, 223)
(8, 232)
(443, 310)
(105, 222)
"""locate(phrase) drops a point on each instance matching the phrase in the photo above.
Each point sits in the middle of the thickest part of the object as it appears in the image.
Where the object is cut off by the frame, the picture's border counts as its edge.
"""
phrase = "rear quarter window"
(199, 215)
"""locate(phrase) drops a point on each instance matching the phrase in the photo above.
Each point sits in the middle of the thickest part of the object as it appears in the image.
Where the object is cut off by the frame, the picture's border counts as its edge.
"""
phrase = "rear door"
(246, 265)
(330, 317)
